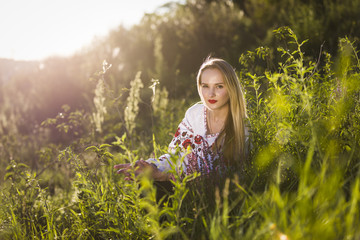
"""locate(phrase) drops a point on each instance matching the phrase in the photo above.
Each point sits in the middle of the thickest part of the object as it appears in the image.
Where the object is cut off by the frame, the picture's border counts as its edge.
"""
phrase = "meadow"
(302, 180)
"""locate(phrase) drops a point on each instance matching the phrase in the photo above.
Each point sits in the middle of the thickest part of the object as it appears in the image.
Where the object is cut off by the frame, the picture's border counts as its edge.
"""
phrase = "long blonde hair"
(232, 137)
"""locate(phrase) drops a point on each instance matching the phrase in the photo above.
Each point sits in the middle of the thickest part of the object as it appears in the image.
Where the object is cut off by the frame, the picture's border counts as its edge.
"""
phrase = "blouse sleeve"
(182, 139)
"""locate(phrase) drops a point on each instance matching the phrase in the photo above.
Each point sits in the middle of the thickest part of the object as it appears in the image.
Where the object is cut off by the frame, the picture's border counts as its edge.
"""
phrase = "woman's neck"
(216, 119)
(219, 114)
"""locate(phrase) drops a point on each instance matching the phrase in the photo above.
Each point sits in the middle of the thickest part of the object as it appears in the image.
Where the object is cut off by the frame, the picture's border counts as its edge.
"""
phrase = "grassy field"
(302, 180)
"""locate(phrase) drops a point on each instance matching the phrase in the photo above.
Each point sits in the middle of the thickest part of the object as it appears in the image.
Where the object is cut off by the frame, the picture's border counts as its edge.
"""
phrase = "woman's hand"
(142, 166)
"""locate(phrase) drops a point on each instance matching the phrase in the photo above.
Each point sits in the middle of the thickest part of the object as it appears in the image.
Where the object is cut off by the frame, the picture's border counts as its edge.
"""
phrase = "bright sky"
(35, 29)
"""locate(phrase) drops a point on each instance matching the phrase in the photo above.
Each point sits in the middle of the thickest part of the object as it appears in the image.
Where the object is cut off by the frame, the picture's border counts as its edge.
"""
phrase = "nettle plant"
(305, 134)
(299, 112)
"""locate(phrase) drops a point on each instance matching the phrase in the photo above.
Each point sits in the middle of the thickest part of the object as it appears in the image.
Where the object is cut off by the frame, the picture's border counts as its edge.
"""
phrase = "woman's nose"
(212, 92)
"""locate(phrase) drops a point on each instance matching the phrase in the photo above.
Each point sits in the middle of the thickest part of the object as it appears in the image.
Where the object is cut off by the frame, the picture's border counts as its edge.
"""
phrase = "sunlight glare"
(36, 29)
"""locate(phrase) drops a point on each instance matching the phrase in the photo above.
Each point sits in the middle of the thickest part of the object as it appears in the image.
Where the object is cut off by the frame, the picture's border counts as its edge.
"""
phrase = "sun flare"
(33, 30)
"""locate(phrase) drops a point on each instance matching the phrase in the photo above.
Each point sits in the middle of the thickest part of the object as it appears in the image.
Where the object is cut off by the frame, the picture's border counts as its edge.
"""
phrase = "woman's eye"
(220, 86)
(204, 86)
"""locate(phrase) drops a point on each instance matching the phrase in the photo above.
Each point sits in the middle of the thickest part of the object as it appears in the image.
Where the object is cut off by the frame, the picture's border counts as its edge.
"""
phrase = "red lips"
(212, 101)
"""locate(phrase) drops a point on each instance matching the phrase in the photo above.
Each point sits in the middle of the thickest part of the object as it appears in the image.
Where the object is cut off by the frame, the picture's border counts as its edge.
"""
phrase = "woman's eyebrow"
(220, 83)
(214, 83)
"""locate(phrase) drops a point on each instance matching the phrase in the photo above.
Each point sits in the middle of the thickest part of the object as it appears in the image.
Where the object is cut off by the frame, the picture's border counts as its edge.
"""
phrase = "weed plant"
(301, 181)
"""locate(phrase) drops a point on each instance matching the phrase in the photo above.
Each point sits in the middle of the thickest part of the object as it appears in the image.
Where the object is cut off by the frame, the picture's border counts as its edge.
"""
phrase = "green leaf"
(8, 175)
(93, 148)
(105, 145)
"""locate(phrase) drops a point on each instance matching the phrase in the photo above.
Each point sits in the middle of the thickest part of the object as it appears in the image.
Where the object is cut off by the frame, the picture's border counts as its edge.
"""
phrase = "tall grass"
(302, 180)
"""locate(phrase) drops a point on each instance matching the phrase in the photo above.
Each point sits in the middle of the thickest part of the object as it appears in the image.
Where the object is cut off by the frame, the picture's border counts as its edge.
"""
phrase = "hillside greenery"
(65, 122)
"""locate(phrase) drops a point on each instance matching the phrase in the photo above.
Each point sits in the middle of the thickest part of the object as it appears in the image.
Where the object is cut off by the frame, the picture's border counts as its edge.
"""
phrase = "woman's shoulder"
(194, 118)
(195, 110)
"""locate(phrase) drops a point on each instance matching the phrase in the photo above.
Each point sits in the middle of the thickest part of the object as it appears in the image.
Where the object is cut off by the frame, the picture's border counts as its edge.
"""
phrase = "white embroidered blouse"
(192, 132)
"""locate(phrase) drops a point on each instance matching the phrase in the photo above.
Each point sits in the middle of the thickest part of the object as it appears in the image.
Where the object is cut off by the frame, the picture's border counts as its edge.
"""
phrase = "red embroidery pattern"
(186, 143)
(177, 132)
(202, 159)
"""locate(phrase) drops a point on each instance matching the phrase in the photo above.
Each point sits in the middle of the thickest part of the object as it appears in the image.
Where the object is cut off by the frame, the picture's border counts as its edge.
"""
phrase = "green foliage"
(302, 180)
(59, 132)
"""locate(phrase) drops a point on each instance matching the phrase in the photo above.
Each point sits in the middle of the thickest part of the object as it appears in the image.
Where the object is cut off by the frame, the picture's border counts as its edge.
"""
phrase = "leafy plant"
(302, 180)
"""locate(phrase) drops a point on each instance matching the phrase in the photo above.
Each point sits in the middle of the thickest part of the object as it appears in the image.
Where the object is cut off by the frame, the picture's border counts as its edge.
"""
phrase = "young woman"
(213, 135)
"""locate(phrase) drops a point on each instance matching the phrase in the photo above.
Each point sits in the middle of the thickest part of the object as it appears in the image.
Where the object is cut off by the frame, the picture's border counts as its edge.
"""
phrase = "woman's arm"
(140, 167)
(161, 167)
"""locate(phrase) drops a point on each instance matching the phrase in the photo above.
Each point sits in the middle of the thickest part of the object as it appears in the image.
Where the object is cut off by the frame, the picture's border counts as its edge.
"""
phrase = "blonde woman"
(214, 130)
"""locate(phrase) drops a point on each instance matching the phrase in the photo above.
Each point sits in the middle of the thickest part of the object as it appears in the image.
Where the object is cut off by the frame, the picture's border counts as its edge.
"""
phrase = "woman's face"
(212, 90)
